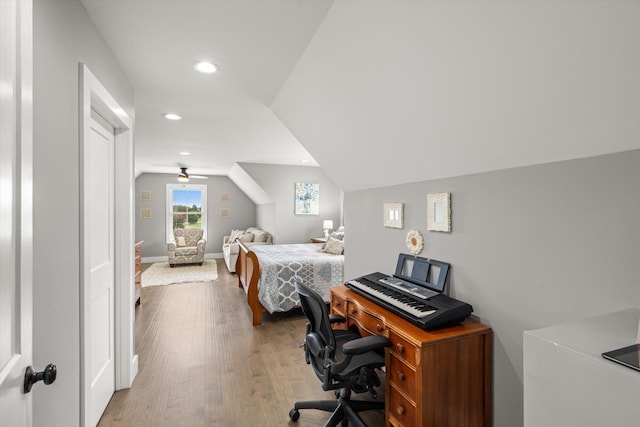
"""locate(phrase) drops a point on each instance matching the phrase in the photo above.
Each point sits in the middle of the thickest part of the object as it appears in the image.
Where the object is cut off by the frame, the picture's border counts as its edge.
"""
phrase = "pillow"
(338, 235)
(180, 242)
(334, 246)
(251, 229)
(235, 234)
(260, 236)
(246, 237)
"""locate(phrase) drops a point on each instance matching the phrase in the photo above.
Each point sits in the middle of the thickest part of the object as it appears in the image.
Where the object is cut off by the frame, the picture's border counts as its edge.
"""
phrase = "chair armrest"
(201, 244)
(363, 345)
(233, 248)
(336, 318)
(225, 240)
(171, 247)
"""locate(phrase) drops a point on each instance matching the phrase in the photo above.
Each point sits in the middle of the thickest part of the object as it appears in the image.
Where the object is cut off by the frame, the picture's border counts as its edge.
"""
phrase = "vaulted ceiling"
(378, 92)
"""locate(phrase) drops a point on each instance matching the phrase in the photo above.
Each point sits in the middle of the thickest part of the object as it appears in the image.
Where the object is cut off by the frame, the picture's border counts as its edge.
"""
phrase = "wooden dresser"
(138, 270)
(433, 378)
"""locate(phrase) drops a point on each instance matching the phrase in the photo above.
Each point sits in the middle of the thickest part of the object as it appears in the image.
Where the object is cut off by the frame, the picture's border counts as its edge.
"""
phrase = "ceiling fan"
(183, 176)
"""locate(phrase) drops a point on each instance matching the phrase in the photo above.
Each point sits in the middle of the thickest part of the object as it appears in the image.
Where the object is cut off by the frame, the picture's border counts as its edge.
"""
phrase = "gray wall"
(153, 231)
(530, 247)
(278, 218)
(63, 37)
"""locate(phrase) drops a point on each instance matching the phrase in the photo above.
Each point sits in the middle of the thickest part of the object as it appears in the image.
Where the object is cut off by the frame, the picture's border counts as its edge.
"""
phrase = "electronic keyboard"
(421, 306)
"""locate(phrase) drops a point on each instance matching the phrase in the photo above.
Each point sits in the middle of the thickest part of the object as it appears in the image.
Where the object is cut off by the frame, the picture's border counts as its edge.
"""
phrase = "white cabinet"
(568, 383)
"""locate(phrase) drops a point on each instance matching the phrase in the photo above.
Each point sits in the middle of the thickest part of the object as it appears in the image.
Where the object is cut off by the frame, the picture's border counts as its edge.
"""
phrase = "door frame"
(93, 95)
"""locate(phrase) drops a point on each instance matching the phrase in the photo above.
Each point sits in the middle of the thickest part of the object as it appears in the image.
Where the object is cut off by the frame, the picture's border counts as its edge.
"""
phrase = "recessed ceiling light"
(304, 160)
(205, 67)
(184, 153)
(172, 116)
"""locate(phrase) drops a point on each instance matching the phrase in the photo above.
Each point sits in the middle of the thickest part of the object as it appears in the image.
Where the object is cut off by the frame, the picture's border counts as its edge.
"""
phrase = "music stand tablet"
(628, 356)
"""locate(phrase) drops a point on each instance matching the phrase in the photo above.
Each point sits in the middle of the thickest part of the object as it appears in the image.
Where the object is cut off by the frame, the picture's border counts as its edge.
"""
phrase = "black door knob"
(48, 376)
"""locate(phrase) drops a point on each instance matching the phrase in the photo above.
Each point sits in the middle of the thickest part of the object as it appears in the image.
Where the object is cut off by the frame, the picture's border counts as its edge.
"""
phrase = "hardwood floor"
(201, 363)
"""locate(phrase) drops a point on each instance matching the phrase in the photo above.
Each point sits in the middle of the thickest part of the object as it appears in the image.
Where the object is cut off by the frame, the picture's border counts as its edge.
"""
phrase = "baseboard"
(166, 258)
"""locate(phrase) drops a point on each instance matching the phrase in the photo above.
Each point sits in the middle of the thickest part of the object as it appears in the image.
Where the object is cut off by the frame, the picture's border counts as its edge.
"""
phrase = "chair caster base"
(294, 414)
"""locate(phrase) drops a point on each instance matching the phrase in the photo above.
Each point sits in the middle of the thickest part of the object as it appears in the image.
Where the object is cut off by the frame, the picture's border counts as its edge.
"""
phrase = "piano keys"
(407, 303)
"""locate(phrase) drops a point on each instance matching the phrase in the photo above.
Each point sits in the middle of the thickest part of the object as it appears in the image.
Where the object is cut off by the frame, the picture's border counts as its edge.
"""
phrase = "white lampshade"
(327, 224)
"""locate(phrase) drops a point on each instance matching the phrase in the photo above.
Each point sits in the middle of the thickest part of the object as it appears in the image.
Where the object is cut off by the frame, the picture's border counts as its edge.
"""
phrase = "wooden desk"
(433, 378)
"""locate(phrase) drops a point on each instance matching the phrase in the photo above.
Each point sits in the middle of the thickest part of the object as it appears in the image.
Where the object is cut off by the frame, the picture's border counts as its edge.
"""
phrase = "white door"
(99, 253)
(16, 314)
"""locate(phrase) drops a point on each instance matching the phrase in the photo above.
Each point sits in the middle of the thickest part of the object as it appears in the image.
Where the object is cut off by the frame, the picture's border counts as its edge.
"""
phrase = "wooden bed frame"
(248, 271)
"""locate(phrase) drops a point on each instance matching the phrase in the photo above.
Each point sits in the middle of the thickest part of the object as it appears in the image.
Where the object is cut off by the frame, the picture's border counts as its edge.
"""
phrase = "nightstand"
(318, 240)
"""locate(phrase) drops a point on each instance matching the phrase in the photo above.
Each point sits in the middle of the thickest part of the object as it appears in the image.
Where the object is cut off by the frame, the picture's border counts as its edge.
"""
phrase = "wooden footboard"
(248, 271)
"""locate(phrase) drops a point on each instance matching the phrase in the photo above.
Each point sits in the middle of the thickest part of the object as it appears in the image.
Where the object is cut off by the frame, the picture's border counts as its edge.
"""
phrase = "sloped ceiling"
(226, 115)
(405, 91)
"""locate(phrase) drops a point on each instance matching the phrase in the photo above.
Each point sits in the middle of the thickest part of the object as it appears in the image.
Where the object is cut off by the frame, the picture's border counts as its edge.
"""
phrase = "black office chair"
(342, 360)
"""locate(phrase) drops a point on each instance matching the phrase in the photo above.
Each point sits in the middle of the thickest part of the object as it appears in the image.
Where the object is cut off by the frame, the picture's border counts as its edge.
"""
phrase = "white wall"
(530, 247)
(392, 92)
(63, 37)
(153, 231)
(278, 181)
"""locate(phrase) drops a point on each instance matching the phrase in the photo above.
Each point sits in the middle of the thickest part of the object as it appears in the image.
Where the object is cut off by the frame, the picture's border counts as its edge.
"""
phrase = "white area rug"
(160, 273)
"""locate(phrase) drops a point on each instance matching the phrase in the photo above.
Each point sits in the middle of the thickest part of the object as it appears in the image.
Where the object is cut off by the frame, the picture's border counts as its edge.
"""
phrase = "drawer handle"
(337, 303)
(400, 410)
(379, 327)
(400, 375)
(353, 310)
(400, 348)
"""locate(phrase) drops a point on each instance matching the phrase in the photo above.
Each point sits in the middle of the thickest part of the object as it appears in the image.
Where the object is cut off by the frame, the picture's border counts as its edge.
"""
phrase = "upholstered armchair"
(188, 247)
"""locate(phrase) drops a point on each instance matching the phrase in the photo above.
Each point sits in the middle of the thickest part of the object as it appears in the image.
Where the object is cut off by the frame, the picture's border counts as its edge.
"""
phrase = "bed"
(266, 274)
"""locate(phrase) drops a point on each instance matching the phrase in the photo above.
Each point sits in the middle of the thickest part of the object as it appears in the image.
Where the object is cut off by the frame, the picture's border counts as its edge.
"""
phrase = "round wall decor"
(415, 242)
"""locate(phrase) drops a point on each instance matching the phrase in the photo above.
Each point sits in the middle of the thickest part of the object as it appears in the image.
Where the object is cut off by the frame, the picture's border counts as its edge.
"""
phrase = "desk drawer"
(401, 409)
(366, 321)
(403, 348)
(402, 376)
(338, 306)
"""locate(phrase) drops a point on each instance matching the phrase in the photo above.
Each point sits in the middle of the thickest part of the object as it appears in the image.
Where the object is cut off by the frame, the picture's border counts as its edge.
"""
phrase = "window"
(186, 208)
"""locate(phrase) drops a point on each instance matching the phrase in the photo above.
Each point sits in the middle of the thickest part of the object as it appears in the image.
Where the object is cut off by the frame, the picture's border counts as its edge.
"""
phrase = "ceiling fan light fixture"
(205, 67)
(183, 176)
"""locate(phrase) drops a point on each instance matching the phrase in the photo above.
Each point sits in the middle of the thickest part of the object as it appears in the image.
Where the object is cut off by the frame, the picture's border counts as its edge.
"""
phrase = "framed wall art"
(393, 215)
(439, 212)
(307, 199)
(145, 195)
